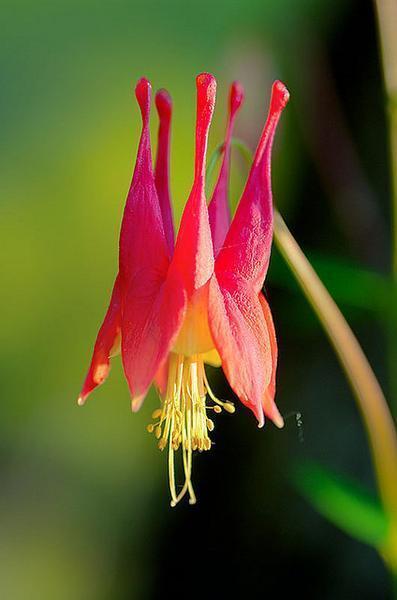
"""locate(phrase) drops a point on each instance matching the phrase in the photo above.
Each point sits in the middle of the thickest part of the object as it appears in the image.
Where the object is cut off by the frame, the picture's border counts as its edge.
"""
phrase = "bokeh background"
(84, 506)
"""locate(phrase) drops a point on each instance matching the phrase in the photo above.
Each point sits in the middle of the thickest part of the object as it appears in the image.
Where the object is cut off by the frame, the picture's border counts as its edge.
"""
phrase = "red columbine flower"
(175, 308)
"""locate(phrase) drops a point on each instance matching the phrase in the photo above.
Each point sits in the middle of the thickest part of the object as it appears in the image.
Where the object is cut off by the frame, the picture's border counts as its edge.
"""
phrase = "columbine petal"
(161, 377)
(107, 341)
(151, 321)
(142, 240)
(237, 320)
(212, 358)
(161, 172)
(247, 245)
(193, 256)
(218, 209)
(152, 308)
(269, 406)
(241, 337)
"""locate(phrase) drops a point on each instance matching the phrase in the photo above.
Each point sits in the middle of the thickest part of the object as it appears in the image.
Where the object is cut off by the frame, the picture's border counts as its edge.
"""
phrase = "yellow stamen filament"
(182, 421)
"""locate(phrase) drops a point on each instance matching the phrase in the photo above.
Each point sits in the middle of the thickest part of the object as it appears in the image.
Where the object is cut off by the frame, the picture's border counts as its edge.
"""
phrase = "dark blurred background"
(84, 506)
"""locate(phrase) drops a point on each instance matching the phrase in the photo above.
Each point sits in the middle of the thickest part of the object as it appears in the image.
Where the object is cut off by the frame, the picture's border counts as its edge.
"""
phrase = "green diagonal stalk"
(387, 23)
(368, 393)
(370, 399)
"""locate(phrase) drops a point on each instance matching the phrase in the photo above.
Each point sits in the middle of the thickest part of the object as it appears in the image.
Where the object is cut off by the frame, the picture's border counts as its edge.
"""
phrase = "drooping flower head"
(177, 305)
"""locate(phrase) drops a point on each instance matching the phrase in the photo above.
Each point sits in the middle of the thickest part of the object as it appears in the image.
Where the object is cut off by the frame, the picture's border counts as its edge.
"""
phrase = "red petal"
(152, 304)
(152, 317)
(193, 256)
(161, 377)
(142, 241)
(247, 246)
(161, 174)
(106, 341)
(269, 406)
(241, 337)
(218, 209)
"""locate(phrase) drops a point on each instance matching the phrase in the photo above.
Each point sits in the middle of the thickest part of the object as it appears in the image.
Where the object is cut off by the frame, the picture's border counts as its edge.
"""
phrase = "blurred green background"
(84, 506)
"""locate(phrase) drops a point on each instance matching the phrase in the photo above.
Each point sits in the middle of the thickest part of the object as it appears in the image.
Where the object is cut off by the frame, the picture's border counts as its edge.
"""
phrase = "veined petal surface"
(240, 323)
(218, 209)
(153, 300)
(193, 255)
(246, 251)
(162, 167)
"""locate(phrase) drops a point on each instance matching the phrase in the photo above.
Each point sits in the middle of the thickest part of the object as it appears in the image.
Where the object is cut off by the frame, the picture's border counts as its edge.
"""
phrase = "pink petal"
(241, 337)
(107, 340)
(142, 240)
(247, 246)
(152, 317)
(218, 209)
(161, 173)
(161, 377)
(152, 303)
(193, 255)
(269, 406)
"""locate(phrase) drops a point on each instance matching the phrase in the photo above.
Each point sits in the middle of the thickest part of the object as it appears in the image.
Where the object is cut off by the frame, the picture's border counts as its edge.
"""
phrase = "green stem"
(371, 402)
(387, 22)
(238, 144)
(367, 391)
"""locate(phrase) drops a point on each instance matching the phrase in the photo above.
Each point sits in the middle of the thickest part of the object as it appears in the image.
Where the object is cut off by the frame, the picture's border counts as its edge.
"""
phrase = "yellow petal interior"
(195, 336)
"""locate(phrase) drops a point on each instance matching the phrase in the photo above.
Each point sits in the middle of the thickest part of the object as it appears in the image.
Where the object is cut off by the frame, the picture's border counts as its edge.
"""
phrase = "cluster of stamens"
(182, 420)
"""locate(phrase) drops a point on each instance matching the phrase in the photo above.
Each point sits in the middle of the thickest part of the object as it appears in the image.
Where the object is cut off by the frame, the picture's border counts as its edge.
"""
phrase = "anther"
(229, 407)
(150, 428)
(156, 413)
(217, 409)
(157, 432)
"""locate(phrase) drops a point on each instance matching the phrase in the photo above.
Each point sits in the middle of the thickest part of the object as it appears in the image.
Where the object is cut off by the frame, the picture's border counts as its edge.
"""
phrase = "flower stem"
(368, 393)
(370, 399)
(387, 23)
